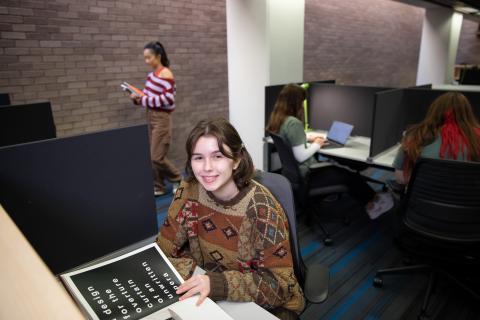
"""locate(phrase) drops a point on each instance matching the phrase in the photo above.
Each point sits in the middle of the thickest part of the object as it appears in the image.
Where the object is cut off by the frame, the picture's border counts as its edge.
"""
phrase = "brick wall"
(469, 44)
(75, 54)
(367, 42)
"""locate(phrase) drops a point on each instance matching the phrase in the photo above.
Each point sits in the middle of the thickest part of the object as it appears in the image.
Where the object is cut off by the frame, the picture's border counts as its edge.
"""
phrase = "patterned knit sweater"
(242, 243)
(159, 92)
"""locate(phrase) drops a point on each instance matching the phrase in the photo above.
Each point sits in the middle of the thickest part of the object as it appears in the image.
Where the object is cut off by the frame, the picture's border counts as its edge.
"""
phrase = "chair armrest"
(317, 280)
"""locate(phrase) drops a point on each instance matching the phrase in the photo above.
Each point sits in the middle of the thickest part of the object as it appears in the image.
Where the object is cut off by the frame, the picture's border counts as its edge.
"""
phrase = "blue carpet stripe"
(346, 259)
(311, 247)
(344, 307)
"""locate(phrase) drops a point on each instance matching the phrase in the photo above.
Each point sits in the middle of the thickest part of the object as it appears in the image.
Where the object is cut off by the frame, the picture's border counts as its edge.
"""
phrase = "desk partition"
(25, 123)
(272, 92)
(79, 198)
(4, 99)
(395, 110)
(351, 104)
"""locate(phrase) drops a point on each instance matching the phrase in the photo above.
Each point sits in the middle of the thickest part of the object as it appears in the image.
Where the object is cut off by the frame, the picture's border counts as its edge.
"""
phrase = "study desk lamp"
(307, 128)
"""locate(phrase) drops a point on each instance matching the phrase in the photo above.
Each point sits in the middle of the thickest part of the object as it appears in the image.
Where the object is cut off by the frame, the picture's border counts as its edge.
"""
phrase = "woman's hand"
(135, 98)
(311, 136)
(196, 284)
(320, 141)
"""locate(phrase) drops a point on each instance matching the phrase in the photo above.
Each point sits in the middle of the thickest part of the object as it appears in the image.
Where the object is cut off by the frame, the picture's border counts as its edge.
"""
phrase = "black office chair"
(438, 223)
(302, 190)
(314, 279)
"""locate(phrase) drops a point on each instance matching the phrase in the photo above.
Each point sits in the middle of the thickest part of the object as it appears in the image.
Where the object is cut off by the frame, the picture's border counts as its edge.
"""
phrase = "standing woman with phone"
(159, 101)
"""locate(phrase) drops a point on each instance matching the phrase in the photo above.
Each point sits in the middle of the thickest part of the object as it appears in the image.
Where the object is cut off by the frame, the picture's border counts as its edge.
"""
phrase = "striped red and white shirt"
(159, 92)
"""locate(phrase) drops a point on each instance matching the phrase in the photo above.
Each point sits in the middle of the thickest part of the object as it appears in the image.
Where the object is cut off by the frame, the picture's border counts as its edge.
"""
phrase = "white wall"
(285, 34)
(439, 44)
(247, 71)
(265, 46)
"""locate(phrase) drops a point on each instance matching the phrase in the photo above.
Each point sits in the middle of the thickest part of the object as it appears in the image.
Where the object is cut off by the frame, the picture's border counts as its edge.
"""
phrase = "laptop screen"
(339, 132)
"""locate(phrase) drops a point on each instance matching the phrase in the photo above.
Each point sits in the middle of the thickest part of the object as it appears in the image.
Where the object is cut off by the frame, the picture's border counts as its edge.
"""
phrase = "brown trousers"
(160, 134)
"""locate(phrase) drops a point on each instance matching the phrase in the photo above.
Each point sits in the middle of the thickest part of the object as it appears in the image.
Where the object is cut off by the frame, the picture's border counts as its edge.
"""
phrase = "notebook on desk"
(338, 135)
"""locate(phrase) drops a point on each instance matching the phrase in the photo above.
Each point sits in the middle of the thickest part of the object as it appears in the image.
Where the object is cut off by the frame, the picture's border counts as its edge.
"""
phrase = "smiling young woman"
(229, 225)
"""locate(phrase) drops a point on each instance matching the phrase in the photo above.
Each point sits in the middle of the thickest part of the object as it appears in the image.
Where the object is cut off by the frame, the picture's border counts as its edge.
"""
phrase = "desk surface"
(357, 148)
(385, 159)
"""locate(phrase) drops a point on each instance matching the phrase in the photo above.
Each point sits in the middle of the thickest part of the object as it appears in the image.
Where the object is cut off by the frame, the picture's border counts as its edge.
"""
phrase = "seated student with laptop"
(450, 130)
(230, 225)
(286, 120)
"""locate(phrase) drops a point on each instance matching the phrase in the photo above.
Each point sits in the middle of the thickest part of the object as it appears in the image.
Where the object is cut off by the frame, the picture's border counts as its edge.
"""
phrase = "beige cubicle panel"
(29, 289)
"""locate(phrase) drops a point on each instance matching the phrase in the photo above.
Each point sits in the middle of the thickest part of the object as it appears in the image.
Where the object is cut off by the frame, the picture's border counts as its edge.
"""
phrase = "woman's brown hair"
(289, 103)
(451, 107)
(226, 135)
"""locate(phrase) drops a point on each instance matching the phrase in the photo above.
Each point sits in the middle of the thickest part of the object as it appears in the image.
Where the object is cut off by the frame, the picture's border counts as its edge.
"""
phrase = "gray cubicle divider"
(82, 197)
(25, 123)
(395, 110)
(4, 99)
(351, 104)
(389, 120)
(272, 92)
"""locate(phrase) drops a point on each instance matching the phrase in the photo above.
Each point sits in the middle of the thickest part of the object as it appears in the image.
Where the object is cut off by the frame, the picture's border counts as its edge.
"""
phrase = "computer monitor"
(79, 198)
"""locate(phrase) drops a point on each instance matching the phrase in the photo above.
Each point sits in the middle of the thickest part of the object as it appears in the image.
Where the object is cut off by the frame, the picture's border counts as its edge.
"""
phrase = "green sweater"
(292, 131)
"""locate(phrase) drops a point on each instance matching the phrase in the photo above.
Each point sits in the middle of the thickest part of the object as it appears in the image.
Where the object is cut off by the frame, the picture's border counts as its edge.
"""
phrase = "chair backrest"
(443, 200)
(290, 167)
(281, 189)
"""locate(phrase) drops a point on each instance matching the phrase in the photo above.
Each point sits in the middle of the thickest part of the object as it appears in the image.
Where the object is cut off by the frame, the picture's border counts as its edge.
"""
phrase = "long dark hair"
(289, 103)
(158, 49)
(227, 135)
(451, 116)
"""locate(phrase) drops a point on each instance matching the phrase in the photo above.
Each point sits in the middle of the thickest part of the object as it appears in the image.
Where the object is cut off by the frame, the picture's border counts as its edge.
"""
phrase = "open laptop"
(338, 135)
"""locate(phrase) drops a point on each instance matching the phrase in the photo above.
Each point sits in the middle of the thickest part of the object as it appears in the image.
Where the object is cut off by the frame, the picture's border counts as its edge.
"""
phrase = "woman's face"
(212, 169)
(151, 59)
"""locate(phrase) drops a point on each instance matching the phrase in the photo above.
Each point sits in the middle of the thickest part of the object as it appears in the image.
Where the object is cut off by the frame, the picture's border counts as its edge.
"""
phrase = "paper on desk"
(188, 310)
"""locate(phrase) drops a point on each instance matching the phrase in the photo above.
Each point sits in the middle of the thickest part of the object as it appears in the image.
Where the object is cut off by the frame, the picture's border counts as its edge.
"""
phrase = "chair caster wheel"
(384, 188)
(346, 221)
(377, 282)
(407, 261)
(327, 241)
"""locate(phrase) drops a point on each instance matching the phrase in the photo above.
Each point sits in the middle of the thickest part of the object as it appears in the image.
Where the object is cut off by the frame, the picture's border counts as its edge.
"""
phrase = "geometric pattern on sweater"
(246, 241)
